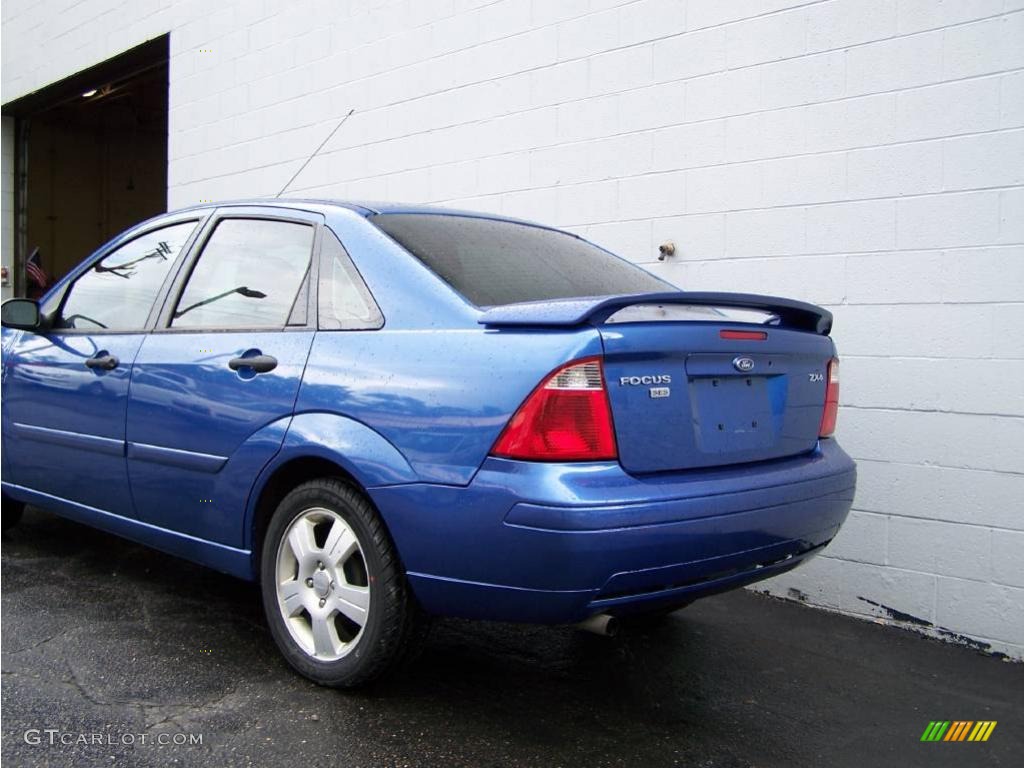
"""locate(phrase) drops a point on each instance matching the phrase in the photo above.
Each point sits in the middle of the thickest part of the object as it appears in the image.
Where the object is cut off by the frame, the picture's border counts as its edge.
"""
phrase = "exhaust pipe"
(600, 624)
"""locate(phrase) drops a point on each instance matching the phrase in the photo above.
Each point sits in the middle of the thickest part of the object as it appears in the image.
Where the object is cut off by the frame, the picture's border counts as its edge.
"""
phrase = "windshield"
(501, 262)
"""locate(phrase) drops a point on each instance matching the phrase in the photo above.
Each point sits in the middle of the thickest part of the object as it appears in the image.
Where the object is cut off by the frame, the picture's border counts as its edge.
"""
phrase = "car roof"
(362, 207)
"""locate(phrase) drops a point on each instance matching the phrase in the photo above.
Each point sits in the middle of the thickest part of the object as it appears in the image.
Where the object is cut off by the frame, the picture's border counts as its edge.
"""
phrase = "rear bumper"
(557, 542)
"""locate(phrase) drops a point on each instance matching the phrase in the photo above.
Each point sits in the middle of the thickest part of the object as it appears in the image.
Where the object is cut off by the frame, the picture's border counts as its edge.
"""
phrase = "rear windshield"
(500, 262)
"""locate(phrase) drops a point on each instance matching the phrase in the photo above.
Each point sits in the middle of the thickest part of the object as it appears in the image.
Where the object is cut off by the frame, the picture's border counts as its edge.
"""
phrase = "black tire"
(395, 626)
(10, 513)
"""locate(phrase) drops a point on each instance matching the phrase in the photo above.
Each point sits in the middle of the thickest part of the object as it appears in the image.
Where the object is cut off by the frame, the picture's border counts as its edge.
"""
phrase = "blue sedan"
(383, 413)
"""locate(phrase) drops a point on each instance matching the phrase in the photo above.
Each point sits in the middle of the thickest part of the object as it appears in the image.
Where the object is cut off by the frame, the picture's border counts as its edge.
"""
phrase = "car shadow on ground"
(104, 635)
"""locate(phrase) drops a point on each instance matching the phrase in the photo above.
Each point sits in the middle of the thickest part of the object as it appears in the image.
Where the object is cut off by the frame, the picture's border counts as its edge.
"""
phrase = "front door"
(214, 387)
(66, 388)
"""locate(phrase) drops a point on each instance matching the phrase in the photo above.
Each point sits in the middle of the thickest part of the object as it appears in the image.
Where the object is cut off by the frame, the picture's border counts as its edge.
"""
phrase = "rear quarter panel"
(440, 397)
(433, 382)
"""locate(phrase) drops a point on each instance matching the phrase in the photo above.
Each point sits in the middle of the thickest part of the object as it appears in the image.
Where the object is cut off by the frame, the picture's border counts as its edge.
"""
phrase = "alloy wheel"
(323, 587)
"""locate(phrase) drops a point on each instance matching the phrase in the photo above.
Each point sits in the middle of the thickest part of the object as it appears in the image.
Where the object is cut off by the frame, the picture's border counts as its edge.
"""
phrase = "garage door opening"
(90, 160)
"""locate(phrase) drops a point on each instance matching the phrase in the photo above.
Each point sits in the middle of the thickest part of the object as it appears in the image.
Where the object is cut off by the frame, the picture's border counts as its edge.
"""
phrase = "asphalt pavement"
(114, 654)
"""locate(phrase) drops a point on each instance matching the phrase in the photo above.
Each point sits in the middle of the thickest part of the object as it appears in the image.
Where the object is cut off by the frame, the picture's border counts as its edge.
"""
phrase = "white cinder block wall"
(867, 155)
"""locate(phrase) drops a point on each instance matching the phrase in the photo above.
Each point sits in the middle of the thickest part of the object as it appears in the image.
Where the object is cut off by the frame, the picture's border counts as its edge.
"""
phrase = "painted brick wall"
(863, 154)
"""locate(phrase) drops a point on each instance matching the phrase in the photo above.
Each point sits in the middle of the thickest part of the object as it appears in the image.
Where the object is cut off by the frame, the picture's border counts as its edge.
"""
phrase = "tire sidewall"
(357, 661)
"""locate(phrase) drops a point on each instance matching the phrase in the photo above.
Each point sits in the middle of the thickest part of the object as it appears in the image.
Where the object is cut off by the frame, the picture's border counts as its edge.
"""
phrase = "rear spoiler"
(596, 309)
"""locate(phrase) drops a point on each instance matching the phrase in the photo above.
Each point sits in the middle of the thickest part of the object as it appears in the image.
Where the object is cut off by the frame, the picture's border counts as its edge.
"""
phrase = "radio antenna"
(315, 151)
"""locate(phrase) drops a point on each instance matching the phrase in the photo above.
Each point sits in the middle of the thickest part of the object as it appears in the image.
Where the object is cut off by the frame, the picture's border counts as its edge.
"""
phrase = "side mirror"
(20, 313)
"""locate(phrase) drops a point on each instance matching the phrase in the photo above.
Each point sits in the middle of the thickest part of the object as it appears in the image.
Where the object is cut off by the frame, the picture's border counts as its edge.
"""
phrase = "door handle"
(258, 363)
(104, 362)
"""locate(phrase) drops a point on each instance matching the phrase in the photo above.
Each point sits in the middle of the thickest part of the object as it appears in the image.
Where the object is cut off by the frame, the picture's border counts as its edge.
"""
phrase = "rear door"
(694, 387)
(66, 389)
(215, 384)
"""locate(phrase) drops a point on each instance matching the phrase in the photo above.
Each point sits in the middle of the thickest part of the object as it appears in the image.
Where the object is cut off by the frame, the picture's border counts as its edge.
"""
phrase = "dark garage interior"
(90, 159)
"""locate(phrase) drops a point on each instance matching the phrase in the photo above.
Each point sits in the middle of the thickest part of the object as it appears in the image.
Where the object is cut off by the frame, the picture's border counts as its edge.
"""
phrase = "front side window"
(247, 276)
(493, 262)
(118, 291)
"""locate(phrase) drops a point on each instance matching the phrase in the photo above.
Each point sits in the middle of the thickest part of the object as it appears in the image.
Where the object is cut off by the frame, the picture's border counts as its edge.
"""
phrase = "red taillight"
(828, 417)
(566, 418)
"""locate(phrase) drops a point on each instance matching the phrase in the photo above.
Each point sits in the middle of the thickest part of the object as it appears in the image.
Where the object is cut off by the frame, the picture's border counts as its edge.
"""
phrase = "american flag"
(34, 269)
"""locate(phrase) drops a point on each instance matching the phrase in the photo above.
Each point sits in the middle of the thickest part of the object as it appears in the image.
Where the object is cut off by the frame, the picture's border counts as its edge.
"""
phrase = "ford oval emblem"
(743, 364)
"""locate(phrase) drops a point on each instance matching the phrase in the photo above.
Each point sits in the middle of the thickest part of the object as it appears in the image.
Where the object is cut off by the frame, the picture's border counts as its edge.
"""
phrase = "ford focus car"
(383, 413)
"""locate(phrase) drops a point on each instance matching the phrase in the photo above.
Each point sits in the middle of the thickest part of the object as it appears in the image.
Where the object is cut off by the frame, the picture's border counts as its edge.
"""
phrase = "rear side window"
(500, 262)
(345, 302)
(247, 276)
(117, 293)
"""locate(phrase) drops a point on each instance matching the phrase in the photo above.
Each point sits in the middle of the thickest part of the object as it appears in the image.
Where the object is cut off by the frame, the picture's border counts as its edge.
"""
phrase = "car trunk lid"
(703, 380)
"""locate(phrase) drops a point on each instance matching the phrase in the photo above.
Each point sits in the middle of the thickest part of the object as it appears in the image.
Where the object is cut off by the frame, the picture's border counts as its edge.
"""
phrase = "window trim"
(297, 307)
(181, 278)
(199, 218)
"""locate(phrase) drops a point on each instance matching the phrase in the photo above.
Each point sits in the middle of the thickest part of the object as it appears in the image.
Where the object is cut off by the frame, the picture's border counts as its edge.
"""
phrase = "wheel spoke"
(353, 602)
(340, 544)
(301, 540)
(292, 594)
(325, 636)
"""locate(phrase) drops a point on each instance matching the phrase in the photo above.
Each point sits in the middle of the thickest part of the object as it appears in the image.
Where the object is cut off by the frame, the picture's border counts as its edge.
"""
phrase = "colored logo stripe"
(982, 730)
(958, 730)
